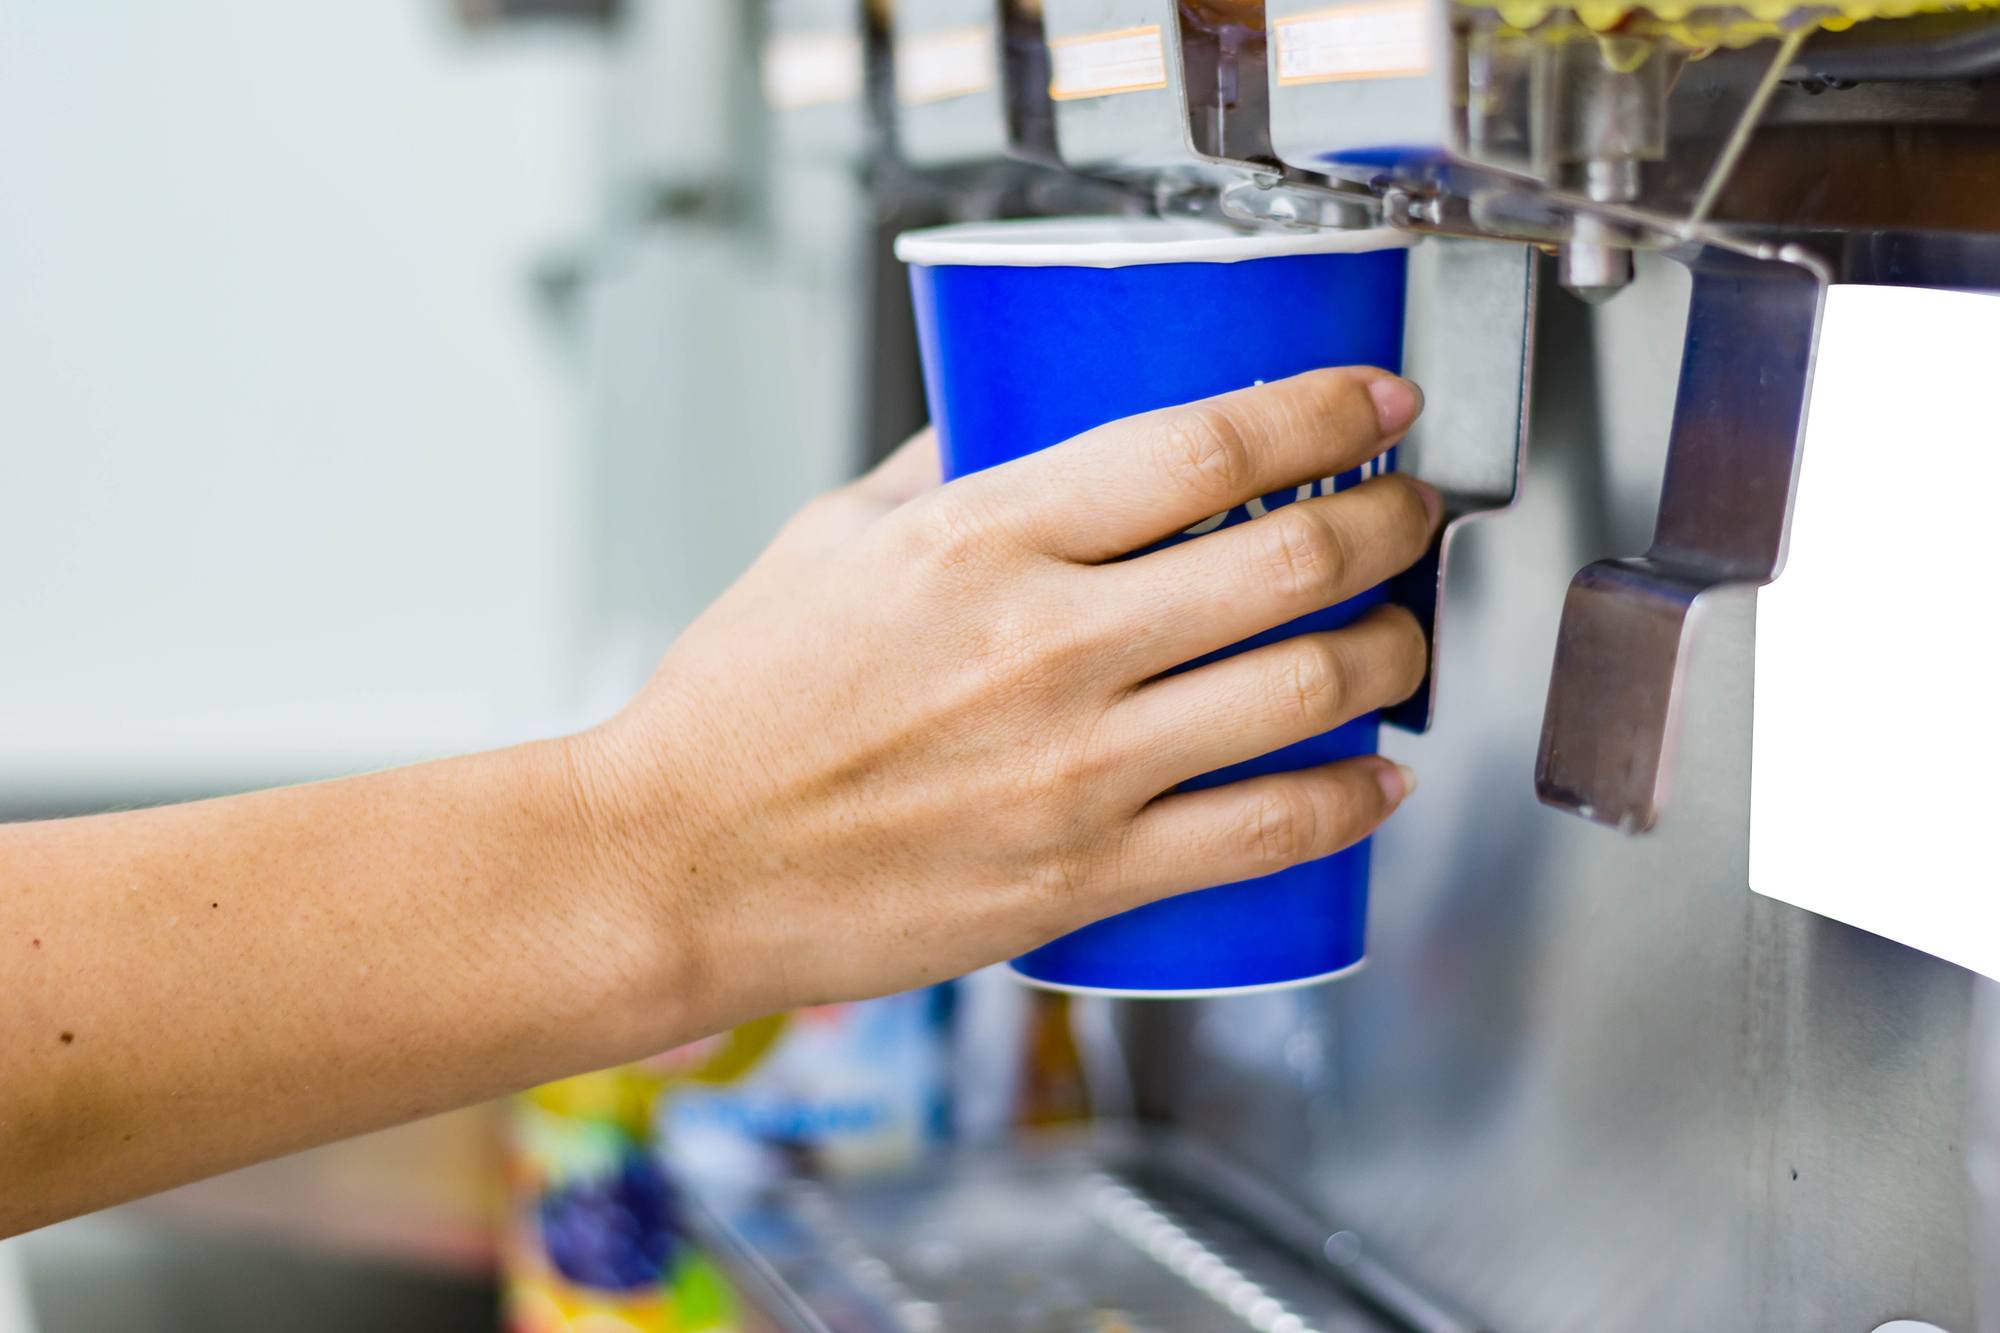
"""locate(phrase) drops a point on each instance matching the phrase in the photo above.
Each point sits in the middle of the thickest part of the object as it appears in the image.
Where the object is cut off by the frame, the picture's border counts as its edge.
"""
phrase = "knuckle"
(1070, 865)
(1063, 774)
(1006, 650)
(1088, 763)
(1313, 683)
(1206, 454)
(1078, 886)
(1281, 830)
(1023, 644)
(1306, 553)
(948, 534)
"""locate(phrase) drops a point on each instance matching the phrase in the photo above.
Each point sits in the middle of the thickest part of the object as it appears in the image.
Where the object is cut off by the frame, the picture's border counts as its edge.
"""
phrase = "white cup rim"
(1121, 242)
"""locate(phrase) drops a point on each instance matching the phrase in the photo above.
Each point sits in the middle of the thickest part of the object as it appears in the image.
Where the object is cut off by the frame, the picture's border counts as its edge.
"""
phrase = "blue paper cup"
(1036, 331)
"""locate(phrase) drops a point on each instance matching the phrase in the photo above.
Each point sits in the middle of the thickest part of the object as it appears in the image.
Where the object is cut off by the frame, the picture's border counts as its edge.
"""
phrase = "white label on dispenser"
(933, 66)
(804, 69)
(1367, 41)
(1877, 714)
(1129, 60)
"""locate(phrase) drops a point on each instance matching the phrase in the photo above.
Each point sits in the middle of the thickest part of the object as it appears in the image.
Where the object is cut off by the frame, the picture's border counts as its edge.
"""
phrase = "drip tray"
(1116, 1233)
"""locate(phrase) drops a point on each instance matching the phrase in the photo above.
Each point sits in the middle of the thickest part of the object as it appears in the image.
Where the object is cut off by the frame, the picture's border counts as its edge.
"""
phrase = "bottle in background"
(1054, 1090)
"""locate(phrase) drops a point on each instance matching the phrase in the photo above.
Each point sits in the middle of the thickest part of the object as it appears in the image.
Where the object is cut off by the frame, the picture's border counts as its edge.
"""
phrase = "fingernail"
(1398, 781)
(1433, 501)
(1397, 402)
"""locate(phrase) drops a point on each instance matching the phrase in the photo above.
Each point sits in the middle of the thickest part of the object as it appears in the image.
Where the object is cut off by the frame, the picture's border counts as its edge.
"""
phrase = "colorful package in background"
(834, 1090)
(595, 1241)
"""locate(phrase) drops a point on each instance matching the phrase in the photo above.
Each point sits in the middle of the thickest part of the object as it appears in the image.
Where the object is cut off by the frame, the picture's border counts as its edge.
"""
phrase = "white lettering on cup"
(1256, 508)
(1207, 525)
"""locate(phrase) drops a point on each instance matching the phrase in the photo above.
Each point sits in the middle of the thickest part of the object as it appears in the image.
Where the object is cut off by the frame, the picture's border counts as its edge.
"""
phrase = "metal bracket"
(1471, 339)
(1732, 463)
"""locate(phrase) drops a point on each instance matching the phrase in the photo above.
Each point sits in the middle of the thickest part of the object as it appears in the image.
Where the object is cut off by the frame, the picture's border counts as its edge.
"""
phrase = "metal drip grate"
(1051, 1237)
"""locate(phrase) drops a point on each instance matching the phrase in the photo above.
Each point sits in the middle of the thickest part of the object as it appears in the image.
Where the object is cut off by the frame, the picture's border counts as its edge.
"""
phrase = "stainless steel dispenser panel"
(1589, 1081)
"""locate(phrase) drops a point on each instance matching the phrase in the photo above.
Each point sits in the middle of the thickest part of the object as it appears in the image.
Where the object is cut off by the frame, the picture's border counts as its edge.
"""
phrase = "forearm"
(194, 987)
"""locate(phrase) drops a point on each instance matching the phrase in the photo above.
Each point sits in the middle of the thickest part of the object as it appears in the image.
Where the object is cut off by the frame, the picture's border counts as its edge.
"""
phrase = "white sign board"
(1874, 797)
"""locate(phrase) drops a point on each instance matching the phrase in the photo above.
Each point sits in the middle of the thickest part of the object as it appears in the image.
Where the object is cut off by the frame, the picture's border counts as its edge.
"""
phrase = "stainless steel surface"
(818, 70)
(1315, 118)
(1137, 126)
(1590, 1082)
(971, 126)
(971, 83)
(950, 90)
(1983, 1150)
(1282, 1221)
(1732, 462)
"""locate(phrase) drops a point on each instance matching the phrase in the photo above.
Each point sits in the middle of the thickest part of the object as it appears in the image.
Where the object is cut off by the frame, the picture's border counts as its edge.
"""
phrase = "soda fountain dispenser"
(1589, 1080)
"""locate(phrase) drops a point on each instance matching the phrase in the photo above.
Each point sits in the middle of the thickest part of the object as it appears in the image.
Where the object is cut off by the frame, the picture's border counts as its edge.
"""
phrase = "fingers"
(1126, 485)
(1220, 835)
(905, 474)
(1197, 596)
(1265, 699)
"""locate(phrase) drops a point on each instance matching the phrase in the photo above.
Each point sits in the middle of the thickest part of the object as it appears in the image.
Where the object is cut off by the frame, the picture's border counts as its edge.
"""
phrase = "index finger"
(1126, 485)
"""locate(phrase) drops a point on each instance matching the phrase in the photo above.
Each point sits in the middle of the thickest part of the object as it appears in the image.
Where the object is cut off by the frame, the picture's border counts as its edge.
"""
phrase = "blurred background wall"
(293, 469)
(374, 385)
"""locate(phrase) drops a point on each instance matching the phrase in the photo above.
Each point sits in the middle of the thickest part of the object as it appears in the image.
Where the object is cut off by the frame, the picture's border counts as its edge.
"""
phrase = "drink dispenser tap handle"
(1732, 461)
(1469, 338)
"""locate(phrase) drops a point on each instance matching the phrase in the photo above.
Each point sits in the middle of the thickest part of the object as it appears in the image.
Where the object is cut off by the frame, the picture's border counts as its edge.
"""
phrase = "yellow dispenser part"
(1706, 26)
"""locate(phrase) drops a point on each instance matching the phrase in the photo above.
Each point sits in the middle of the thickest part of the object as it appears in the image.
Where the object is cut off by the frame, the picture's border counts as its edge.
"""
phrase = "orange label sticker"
(1099, 64)
(1390, 40)
(934, 66)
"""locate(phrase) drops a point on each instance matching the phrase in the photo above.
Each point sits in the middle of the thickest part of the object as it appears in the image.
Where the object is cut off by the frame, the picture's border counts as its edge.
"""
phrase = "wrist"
(617, 977)
(628, 857)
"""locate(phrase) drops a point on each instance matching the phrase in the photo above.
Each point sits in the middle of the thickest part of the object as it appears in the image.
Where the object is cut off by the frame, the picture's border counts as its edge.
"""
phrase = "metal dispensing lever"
(1470, 340)
(1732, 461)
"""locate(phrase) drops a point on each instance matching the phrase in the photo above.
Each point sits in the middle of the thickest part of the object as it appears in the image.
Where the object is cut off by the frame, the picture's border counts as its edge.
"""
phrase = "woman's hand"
(930, 728)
